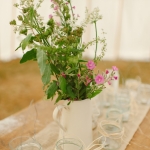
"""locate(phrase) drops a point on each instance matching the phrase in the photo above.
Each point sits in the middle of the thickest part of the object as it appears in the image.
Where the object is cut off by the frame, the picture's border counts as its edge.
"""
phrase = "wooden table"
(23, 123)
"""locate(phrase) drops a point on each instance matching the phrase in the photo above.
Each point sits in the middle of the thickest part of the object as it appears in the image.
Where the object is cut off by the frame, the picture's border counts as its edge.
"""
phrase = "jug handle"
(56, 112)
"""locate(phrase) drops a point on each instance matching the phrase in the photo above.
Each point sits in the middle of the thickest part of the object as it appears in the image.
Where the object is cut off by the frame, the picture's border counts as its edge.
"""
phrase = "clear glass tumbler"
(24, 143)
(112, 132)
(69, 144)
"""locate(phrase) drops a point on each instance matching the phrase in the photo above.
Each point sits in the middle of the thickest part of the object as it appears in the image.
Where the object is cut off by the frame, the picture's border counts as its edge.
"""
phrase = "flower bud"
(20, 18)
(13, 22)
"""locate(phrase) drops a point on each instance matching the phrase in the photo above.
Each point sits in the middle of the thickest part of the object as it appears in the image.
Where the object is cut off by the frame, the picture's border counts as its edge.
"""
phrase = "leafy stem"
(71, 9)
(96, 39)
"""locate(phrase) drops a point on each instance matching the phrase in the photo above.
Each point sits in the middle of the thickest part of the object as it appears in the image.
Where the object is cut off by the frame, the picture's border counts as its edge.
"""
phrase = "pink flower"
(99, 79)
(50, 16)
(90, 65)
(88, 80)
(114, 68)
(115, 77)
(53, 1)
(58, 23)
(109, 82)
(79, 75)
(106, 71)
(78, 15)
(73, 7)
(64, 75)
(56, 8)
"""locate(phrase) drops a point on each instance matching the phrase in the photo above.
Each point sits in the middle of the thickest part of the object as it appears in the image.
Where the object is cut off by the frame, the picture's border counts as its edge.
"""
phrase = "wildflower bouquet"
(58, 48)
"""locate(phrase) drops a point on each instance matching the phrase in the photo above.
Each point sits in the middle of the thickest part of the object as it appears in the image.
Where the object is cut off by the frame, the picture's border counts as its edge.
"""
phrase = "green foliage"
(29, 55)
(44, 66)
(52, 88)
(58, 49)
(62, 84)
(25, 42)
(94, 93)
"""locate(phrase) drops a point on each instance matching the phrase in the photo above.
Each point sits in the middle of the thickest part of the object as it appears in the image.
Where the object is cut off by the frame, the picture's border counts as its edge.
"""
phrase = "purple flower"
(90, 65)
(99, 79)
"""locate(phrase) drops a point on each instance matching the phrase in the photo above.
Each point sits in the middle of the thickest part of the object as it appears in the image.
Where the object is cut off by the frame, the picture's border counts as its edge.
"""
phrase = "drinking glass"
(69, 144)
(112, 131)
(143, 95)
(24, 143)
(114, 114)
(122, 103)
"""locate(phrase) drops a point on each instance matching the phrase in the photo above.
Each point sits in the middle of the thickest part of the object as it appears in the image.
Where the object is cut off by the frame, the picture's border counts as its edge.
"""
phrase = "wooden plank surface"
(25, 122)
(42, 112)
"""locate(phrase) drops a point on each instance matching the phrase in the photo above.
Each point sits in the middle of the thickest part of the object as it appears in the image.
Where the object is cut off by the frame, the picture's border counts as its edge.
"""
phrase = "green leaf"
(75, 50)
(58, 98)
(62, 84)
(28, 56)
(82, 61)
(70, 92)
(44, 67)
(31, 13)
(25, 42)
(70, 70)
(93, 94)
(54, 69)
(46, 75)
(42, 60)
(52, 89)
(82, 92)
(69, 103)
(73, 59)
(18, 47)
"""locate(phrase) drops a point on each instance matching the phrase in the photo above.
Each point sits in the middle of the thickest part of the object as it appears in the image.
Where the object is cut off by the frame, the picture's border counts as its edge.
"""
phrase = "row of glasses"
(28, 143)
(118, 104)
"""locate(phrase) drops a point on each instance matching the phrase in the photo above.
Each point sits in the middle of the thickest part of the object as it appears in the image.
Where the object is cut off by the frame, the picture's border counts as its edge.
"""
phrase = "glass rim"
(64, 139)
(27, 138)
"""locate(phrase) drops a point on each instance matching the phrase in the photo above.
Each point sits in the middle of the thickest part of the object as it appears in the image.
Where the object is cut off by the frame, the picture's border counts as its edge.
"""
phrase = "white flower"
(92, 17)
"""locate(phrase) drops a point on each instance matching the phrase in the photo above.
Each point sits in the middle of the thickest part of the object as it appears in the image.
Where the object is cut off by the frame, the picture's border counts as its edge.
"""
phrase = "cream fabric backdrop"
(126, 22)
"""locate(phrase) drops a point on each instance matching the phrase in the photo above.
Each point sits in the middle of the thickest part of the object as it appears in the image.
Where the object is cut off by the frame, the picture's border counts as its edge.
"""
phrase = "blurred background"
(127, 27)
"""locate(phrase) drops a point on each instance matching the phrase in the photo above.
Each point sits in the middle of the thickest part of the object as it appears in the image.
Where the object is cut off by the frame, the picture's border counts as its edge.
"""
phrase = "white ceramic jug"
(75, 120)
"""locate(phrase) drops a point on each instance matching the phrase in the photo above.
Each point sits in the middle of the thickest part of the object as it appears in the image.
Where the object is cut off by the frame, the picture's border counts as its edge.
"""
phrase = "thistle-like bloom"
(114, 68)
(73, 7)
(90, 65)
(99, 79)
